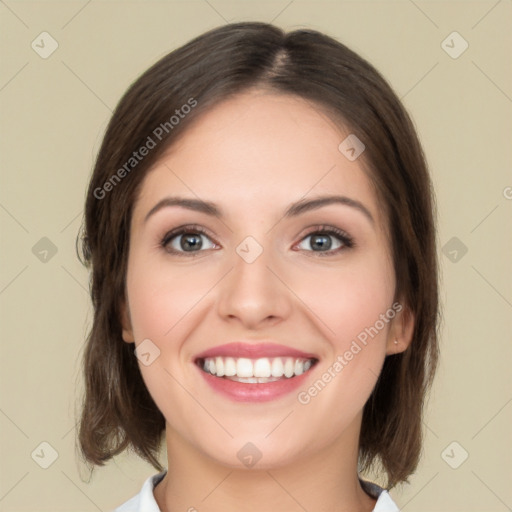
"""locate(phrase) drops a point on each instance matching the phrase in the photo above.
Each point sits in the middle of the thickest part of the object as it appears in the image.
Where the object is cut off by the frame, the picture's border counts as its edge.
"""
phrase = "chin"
(256, 452)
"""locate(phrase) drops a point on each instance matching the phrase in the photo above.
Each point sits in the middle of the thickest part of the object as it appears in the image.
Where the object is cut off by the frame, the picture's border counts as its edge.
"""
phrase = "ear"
(401, 329)
(126, 323)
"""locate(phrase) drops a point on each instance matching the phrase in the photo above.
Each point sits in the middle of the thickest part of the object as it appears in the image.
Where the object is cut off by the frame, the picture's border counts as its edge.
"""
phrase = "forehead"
(258, 149)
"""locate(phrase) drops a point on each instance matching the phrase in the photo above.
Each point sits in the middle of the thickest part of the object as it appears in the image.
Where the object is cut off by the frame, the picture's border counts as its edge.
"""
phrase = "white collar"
(145, 500)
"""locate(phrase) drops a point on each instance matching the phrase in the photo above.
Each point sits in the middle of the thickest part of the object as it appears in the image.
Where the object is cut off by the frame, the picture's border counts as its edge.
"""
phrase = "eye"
(186, 239)
(321, 241)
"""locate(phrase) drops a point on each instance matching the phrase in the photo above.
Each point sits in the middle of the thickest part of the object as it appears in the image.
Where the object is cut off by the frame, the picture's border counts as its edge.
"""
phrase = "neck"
(325, 480)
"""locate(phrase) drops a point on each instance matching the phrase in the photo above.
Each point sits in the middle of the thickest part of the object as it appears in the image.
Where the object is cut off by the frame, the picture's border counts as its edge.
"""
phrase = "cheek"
(349, 300)
(160, 297)
(163, 302)
(355, 309)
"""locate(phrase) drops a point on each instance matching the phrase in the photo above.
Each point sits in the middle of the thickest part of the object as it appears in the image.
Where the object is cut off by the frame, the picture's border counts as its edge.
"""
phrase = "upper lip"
(254, 351)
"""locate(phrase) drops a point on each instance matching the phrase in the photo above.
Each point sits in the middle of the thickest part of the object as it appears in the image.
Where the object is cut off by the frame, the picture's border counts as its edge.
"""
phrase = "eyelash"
(348, 242)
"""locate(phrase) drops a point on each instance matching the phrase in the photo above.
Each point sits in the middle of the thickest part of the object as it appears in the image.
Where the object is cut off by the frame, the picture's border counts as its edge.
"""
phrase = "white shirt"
(145, 500)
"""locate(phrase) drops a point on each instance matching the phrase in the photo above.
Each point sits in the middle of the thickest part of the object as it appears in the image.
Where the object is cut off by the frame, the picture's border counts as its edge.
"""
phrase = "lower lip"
(259, 392)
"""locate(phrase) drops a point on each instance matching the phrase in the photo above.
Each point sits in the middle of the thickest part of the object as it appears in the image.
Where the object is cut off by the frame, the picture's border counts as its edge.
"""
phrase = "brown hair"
(117, 411)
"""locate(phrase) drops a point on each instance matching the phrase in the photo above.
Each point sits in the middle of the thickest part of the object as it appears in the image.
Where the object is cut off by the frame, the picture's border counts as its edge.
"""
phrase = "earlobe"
(126, 323)
(401, 332)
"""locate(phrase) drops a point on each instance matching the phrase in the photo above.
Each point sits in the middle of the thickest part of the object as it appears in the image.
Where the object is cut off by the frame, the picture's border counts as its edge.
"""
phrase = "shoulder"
(144, 501)
(384, 501)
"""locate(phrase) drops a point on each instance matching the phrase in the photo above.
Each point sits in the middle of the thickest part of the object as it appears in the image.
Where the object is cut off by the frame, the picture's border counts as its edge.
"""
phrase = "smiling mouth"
(256, 371)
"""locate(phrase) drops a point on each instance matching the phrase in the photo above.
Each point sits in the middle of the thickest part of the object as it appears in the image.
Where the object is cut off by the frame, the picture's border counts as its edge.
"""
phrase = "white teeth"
(262, 368)
(254, 380)
(229, 367)
(299, 367)
(259, 370)
(244, 367)
(277, 367)
(289, 367)
(219, 366)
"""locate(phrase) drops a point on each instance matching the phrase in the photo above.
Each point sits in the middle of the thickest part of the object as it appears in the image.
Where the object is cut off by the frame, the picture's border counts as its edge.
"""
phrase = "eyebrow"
(293, 210)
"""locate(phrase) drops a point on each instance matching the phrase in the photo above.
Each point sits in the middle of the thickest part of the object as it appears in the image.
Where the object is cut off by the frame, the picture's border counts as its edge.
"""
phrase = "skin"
(254, 155)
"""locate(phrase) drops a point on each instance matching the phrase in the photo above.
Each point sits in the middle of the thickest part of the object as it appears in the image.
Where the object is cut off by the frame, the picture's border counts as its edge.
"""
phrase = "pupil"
(186, 242)
(321, 241)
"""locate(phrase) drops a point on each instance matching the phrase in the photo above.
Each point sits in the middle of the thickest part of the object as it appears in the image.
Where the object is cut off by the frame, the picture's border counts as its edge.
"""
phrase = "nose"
(253, 293)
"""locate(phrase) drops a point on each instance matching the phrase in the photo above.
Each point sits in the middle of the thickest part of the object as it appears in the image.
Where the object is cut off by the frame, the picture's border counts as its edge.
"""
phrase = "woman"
(261, 232)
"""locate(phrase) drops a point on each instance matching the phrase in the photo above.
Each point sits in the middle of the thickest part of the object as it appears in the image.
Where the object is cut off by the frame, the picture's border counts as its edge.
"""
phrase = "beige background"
(54, 112)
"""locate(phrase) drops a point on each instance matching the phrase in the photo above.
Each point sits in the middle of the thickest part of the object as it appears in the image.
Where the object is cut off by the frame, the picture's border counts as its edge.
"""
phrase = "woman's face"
(265, 268)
